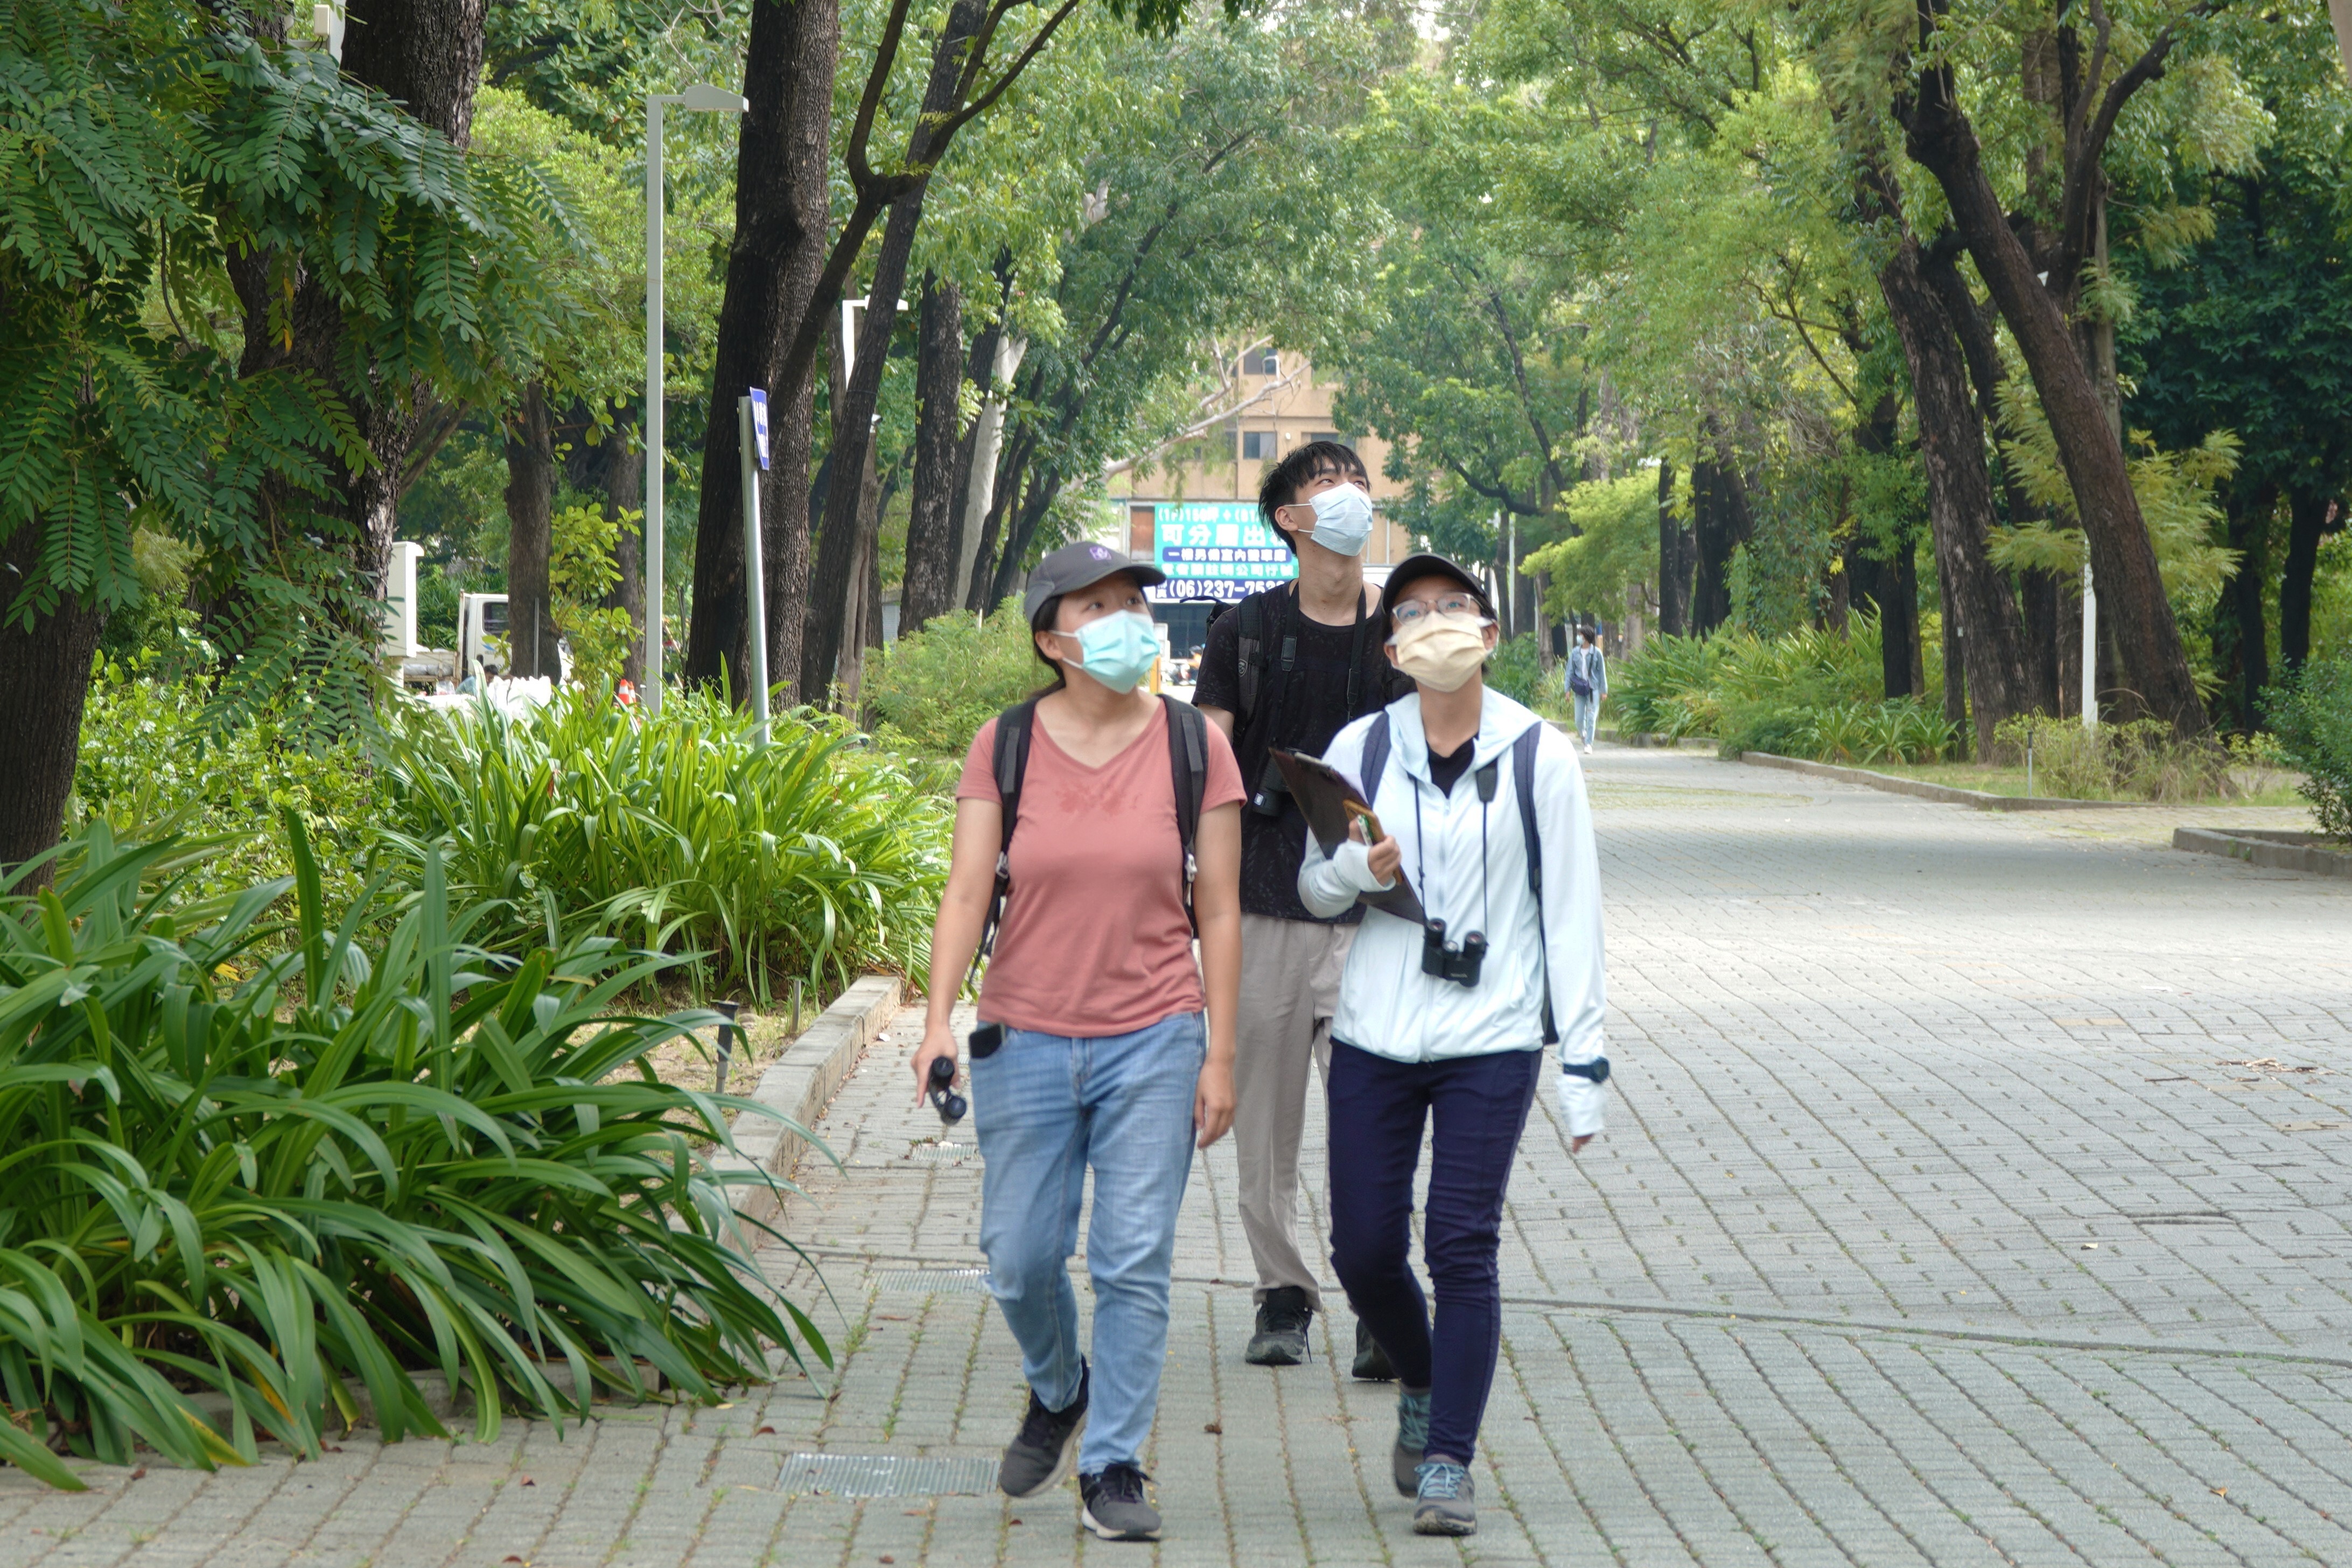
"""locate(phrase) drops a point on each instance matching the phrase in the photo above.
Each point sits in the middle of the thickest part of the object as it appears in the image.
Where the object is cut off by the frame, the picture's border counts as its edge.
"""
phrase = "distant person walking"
(1287, 667)
(1089, 808)
(1443, 1025)
(1588, 682)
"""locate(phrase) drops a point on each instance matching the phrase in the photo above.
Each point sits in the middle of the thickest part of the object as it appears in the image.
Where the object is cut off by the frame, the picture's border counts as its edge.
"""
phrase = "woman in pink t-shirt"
(1100, 1047)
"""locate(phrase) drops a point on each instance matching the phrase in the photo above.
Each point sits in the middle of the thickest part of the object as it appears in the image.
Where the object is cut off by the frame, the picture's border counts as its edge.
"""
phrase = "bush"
(1515, 669)
(809, 856)
(274, 1184)
(1809, 693)
(2313, 716)
(2142, 759)
(152, 764)
(932, 691)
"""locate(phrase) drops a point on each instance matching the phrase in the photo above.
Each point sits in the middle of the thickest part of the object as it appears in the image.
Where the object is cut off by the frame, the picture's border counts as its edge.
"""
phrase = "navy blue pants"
(1480, 1105)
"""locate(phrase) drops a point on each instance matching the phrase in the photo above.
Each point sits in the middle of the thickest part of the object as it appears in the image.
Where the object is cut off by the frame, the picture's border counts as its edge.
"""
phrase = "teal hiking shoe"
(1412, 1437)
(1447, 1502)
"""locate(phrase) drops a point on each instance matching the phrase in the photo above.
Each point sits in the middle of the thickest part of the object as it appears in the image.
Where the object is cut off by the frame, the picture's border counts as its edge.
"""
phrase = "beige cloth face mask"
(1442, 652)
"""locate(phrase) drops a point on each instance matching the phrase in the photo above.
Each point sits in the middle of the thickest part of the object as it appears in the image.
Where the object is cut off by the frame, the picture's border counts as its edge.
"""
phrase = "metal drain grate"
(932, 1281)
(943, 1153)
(885, 1474)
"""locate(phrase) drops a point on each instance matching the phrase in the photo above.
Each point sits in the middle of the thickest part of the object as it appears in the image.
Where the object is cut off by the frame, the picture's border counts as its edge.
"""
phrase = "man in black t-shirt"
(1289, 668)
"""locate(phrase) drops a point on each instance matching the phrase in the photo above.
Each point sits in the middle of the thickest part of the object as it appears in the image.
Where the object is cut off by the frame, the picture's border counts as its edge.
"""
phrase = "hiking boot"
(1446, 1502)
(1281, 1337)
(1371, 1362)
(1111, 1505)
(1412, 1437)
(1040, 1456)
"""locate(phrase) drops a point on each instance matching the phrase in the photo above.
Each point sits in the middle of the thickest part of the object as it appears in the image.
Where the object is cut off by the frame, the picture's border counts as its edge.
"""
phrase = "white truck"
(481, 650)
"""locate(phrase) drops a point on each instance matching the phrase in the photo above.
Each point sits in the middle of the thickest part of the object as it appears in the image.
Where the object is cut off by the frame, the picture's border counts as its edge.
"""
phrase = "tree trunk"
(2131, 590)
(1036, 498)
(782, 219)
(985, 551)
(1980, 619)
(934, 509)
(1674, 551)
(2309, 516)
(624, 498)
(983, 509)
(2241, 640)
(44, 683)
(531, 500)
(842, 537)
(1956, 665)
(428, 55)
(1722, 523)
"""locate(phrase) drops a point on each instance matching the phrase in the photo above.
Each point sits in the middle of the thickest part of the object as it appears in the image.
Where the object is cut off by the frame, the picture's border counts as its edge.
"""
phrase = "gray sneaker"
(1412, 1437)
(1040, 1456)
(1447, 1502)
(1111, 1505)
(1281, 1337)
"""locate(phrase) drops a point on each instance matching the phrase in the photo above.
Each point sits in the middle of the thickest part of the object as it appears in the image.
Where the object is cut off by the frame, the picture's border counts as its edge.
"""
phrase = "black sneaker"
(1111, 1505)
(1281, 1337)
(1040, 1456)
(1373, 1363)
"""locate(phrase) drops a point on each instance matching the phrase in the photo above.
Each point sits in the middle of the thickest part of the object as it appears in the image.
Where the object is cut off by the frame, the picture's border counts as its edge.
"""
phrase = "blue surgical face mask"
(1117, 651)
(1343, 519)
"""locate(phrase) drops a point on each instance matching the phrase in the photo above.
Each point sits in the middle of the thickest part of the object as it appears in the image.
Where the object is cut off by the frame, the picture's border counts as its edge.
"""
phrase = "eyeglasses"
(1408, 611)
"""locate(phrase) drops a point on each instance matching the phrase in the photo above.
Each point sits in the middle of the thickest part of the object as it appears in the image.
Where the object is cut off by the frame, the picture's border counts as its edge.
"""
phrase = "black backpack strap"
(1251, 663)
(1188, 768)
(1375, 760)
(1009, 764)
(1523, 784)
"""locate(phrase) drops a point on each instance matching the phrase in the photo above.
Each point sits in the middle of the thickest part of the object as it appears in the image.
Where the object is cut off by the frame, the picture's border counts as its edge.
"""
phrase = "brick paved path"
(1821, 1295)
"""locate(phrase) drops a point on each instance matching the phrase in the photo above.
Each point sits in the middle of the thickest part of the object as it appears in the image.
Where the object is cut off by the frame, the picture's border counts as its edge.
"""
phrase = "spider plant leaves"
(812, 856)
(241, 1196)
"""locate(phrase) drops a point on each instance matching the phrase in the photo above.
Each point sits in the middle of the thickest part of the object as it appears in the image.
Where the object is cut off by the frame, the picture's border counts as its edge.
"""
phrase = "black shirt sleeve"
(1220, 681)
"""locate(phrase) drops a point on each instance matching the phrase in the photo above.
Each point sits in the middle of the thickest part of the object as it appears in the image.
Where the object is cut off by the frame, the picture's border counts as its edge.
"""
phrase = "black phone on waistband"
(985, 1040)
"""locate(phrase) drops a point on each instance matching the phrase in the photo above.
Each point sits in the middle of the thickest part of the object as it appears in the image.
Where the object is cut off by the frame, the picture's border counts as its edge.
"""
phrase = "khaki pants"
(1290, 988)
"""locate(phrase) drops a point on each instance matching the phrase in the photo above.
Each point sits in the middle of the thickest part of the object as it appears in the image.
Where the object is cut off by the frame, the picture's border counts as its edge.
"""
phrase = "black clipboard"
(1324, 793)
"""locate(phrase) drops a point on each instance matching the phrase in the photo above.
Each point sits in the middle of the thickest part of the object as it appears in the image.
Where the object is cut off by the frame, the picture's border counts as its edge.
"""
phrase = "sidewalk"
(1821, 1295)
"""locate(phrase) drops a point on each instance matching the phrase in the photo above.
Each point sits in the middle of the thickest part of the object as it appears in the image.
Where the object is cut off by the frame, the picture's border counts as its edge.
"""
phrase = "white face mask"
(1343, 519)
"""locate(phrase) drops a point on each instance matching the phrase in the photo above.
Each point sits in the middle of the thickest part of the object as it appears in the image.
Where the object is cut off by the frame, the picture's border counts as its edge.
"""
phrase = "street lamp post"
(707, 99)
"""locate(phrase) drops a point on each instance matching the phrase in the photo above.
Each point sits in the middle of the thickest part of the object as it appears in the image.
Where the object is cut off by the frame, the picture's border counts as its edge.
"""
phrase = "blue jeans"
(1045, 1107)
(1588, 714)
(1479, 1104)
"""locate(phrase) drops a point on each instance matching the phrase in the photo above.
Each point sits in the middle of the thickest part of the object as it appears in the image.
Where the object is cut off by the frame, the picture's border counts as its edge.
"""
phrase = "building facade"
(1193, 512)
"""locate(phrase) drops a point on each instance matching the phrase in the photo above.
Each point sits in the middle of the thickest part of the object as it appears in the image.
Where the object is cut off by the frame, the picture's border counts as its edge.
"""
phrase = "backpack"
(1187, 767)
(1580, 678)
(1523, 784)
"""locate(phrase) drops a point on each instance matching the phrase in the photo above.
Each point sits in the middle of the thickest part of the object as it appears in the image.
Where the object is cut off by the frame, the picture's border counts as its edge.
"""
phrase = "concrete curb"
(1980, 799)
(800, 1086)
(2274, 851)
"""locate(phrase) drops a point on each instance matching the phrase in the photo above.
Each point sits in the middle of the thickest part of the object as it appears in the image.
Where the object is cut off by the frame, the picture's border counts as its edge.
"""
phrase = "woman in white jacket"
(1448, 1021)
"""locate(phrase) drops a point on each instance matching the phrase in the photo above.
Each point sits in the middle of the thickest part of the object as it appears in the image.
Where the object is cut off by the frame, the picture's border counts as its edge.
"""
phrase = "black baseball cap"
(1414, 568)
(1082, 565)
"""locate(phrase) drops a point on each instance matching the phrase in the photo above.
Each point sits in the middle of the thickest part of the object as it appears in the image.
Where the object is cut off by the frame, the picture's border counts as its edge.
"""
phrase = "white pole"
(2090, 647)
(653, 522)
(755, 581)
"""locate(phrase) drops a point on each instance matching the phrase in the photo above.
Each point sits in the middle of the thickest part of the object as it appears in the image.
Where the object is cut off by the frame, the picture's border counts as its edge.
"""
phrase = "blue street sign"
(759, 425)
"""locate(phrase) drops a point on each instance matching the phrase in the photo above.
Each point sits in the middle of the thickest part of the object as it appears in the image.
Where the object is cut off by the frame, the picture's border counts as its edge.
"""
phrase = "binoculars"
(1459, 964)
(950, 1105)
(1273, 791)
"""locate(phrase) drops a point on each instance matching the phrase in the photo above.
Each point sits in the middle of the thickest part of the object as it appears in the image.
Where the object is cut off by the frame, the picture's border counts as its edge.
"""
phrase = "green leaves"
(237, 1192)
(674, 835)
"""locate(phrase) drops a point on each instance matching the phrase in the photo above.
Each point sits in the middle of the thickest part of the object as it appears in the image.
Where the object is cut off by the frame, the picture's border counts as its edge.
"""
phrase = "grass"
(2259, 787)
